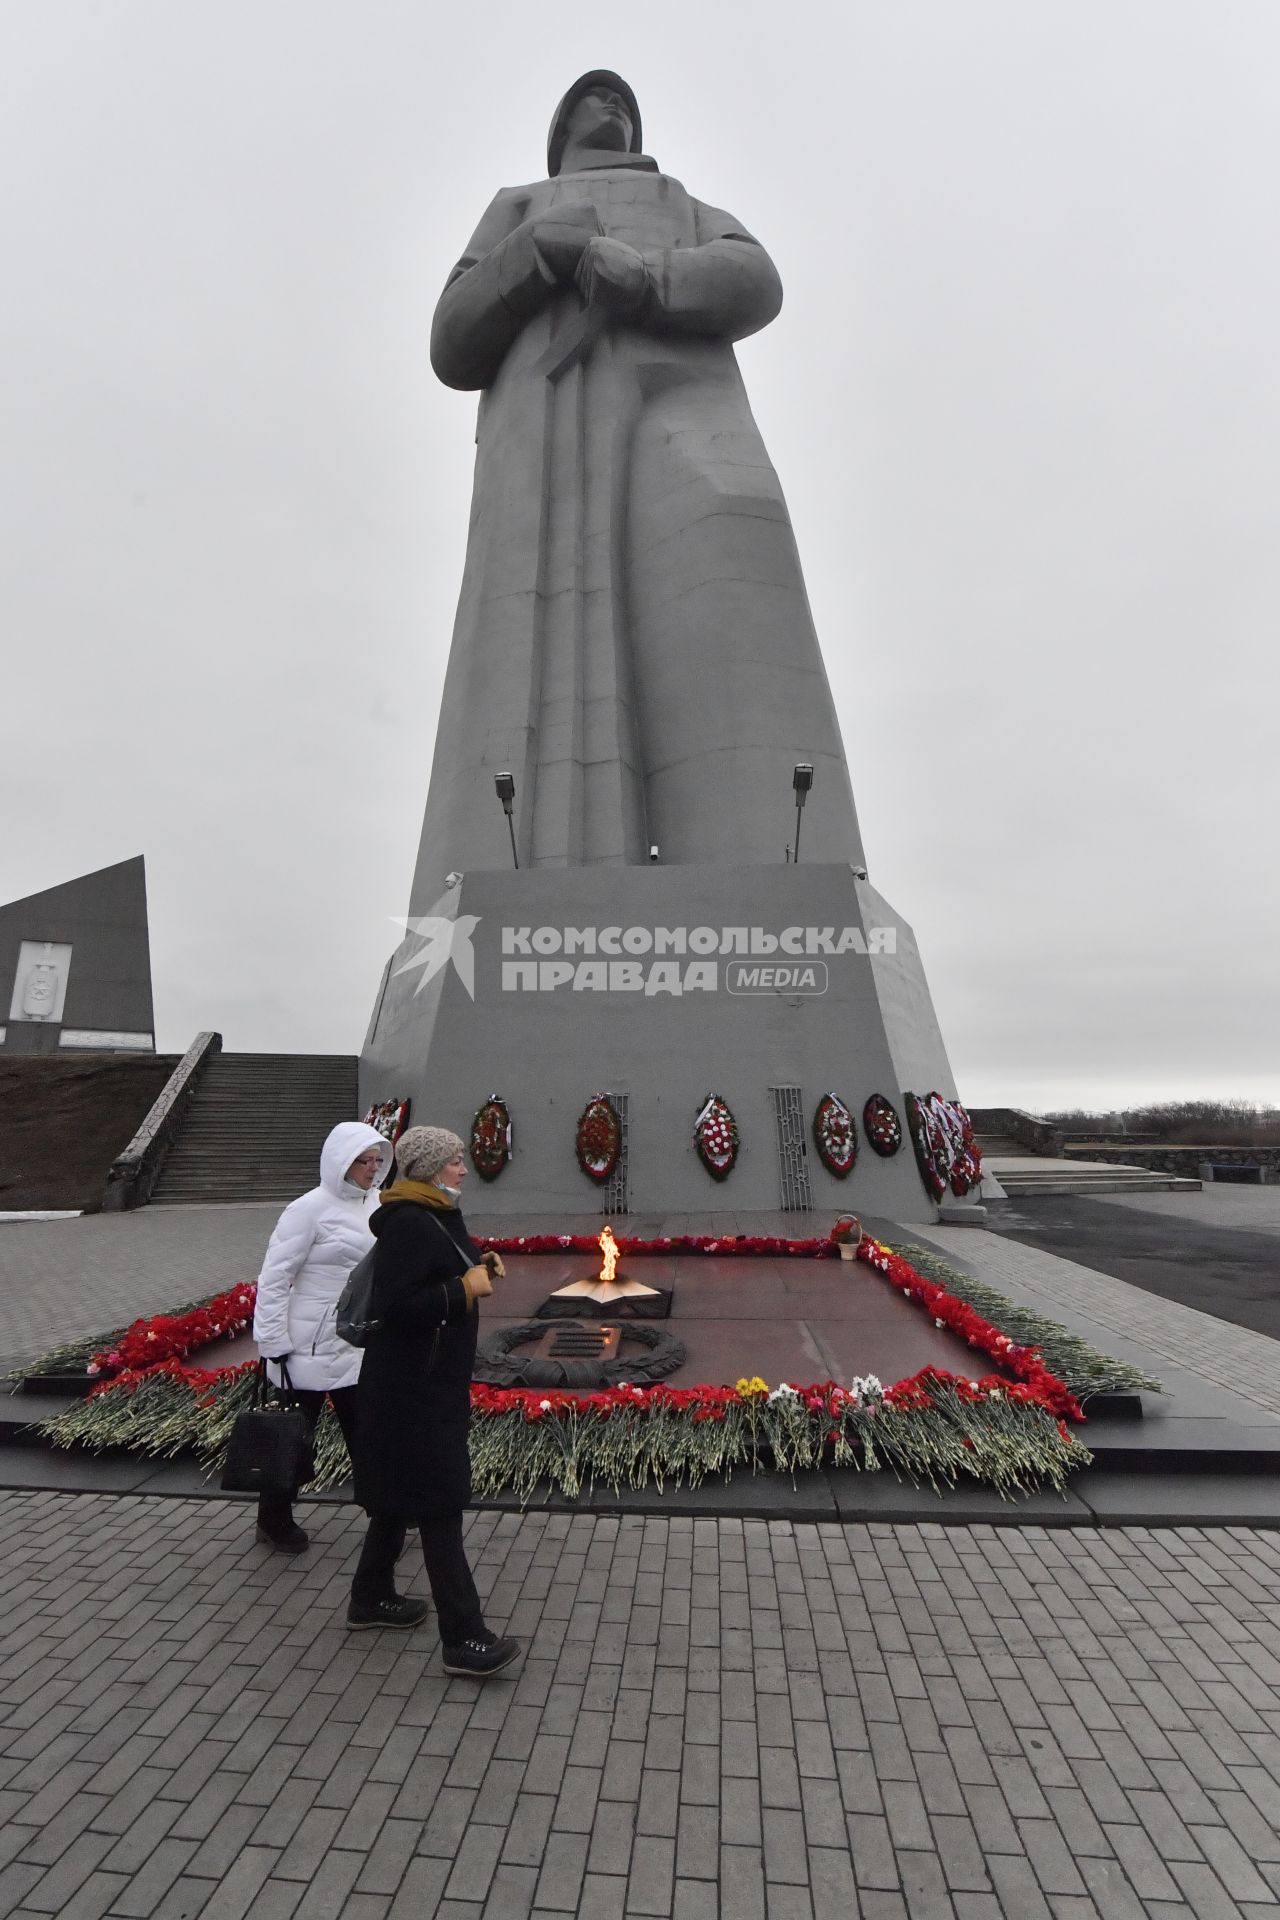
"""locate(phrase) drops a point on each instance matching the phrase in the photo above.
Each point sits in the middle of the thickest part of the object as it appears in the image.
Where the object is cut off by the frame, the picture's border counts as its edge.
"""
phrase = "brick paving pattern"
(716, 1717)
(60, 1279)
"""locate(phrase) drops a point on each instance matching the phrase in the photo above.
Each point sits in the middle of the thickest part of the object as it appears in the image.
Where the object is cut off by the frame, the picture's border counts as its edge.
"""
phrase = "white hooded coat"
(317, 1241)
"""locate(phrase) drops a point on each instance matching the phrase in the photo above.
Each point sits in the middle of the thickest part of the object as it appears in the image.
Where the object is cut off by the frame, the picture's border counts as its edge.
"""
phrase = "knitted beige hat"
(422, 1153)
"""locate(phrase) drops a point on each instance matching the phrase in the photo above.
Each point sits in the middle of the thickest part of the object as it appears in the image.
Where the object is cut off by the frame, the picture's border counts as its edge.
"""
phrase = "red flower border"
(956, 1315)
(712, 1403)
(170, 1337)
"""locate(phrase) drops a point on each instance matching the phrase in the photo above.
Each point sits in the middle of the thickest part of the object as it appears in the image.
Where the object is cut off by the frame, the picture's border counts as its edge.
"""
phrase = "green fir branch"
(1078, 1365)
(75, 1356)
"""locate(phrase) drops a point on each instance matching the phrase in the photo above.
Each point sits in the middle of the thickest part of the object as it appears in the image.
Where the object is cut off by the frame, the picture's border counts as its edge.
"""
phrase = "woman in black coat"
(413, 1407)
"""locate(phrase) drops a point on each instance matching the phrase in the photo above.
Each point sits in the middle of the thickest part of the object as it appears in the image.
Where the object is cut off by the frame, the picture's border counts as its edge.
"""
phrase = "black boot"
(278, 1528)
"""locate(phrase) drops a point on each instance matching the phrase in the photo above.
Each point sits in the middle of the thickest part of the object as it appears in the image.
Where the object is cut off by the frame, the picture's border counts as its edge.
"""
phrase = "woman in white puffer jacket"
(317, 1241)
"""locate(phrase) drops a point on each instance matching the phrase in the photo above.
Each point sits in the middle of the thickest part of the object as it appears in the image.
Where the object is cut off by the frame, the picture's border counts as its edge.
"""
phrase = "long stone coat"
(633, 638)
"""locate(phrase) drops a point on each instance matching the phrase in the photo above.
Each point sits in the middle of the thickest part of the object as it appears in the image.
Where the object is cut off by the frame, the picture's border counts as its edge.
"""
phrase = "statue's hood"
(598, 77)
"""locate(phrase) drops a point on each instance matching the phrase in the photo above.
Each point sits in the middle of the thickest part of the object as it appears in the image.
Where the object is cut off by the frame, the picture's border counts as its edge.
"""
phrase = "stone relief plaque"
(40, 982)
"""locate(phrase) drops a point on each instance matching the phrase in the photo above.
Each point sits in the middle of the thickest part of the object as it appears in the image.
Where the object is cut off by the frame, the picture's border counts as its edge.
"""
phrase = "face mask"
(454, 1193)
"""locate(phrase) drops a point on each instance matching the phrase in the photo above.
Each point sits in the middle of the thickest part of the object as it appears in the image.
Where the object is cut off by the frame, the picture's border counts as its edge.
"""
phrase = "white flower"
(544, 1406)
(783, 1392)
(867, 1387)
(937, 1322)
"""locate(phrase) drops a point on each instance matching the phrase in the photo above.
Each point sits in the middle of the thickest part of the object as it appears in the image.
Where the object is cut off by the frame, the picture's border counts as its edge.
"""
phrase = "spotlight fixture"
(801, 781)
(505, 786)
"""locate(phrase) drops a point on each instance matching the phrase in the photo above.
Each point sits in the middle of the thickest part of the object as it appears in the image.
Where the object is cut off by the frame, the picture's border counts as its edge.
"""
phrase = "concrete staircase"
(255, 1127)
(1036, 1163)
(1023, 1174)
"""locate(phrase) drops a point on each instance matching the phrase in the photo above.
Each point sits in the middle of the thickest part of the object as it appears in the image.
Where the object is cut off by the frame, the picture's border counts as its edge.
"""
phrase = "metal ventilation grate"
(613, 1194)
(795, 1195)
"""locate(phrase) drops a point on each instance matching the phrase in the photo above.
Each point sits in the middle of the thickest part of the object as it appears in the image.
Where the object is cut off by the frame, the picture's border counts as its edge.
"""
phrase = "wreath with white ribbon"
(835, 1136)
(716, 1137)
(946, 1152)
(389, 1118)
(882, 1126)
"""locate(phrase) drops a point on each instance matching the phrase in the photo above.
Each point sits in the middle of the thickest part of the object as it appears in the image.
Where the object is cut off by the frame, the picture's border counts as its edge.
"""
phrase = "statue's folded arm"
(723, 287)
(495, 287)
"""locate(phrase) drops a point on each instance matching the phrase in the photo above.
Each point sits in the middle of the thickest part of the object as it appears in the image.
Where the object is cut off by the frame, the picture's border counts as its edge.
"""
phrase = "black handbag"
(270, 1449)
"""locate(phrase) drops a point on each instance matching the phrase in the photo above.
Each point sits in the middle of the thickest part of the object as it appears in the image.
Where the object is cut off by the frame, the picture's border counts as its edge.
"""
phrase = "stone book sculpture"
(634, 648)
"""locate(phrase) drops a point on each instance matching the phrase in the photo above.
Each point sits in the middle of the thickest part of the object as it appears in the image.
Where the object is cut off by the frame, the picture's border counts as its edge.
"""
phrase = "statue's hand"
(612, 275)
(561, 237)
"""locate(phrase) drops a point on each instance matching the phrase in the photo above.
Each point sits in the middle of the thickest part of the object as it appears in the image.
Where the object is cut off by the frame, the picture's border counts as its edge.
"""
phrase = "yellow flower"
(749, 1388)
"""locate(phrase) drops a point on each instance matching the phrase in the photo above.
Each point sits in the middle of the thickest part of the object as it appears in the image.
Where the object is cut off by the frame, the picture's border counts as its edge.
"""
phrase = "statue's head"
(599, 111)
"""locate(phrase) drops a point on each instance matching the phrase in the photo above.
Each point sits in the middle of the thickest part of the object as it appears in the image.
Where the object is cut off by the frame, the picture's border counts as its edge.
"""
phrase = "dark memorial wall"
(75, 966)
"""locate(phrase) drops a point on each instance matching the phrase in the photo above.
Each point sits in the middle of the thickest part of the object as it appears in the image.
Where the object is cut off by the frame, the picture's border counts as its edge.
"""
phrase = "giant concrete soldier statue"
(634, 645)
(633, 639)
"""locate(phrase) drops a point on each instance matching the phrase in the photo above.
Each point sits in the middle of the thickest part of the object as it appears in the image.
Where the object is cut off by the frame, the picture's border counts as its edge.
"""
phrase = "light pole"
(506, 789)
(801, 780)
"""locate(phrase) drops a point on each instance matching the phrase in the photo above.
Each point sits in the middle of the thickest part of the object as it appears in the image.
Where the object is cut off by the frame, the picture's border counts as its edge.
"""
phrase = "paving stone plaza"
(716, 1716)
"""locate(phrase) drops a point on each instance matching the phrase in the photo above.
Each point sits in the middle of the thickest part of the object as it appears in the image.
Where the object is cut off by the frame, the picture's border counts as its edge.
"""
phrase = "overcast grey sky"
(1023, 396)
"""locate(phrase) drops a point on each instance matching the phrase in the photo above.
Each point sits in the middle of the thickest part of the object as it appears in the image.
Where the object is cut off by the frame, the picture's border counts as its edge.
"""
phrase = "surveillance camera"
(653, 853)
(859, 873)
(453, 879)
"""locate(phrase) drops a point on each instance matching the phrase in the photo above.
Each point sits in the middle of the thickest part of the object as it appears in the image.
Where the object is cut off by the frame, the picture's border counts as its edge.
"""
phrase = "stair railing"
(133, 1175)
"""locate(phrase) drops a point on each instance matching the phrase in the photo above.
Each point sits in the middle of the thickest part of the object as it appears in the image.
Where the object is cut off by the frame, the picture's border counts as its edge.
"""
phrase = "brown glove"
(477, 1283)
(493, 1261)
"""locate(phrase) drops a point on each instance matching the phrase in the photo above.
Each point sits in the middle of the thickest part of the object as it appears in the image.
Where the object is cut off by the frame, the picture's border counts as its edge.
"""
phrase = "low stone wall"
(1185, 1161)
(1037, 1136)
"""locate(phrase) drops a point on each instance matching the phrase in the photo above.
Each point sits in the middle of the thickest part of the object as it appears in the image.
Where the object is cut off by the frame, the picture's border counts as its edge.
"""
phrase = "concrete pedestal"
(665, 984)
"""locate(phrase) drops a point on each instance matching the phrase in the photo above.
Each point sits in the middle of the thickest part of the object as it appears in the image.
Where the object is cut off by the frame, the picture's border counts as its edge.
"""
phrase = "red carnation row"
(1024, 1363)
(726, 1244)
(714, 1403)
(170, 1337)
(173, 1336)
(698, 1403)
